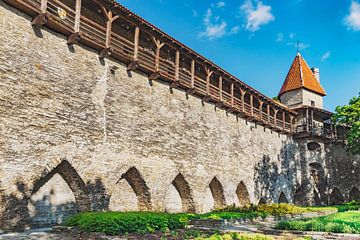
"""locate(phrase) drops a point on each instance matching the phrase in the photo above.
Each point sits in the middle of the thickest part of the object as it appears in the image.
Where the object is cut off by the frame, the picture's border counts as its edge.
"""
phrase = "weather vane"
(297, 47)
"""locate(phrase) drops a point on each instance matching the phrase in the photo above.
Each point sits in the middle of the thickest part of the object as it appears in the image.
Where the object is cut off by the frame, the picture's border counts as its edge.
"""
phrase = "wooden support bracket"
(154, 76)
(230, 110)
(74, 38)
(106, 52)
(174, 84)
(40, 19)
(190, 91)
(205, 98)
(133, 66)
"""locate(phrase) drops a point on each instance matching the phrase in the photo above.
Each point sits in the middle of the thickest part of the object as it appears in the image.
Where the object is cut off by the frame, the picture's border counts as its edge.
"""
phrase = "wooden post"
(77, 16)
(251, 105)
(307, 120)
(42, 18)
(136, 43)
(208, 76)
(260, 109)
(283, 119)
(291, 123)
(177, 65)
(192, 73)
(243, 100)
(232, 94)
(135, 63)
(158, 45)
(110, 19)
(268, 113)
(75, 36)
(43, 7)
(275, 122)
(220, 88)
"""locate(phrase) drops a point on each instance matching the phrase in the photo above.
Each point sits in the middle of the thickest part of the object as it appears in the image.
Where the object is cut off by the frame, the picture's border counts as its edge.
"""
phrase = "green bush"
(114, 223)
(344, 222)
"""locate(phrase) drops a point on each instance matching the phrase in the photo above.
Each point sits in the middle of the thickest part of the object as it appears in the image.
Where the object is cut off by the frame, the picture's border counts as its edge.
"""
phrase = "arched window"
(217, 192)
(243, 194)
(131, 193)
(354, 194)
(336, 197)
(180, 189)
(282, 198)
(57, 195)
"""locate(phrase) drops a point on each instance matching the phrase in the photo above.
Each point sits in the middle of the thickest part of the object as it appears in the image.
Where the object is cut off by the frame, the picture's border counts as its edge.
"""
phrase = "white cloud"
(325, 56)
(352, 21)
(221, 4)
(215, 27)
(256, 16)
(291, 35)
(279, 37)
(234, 30)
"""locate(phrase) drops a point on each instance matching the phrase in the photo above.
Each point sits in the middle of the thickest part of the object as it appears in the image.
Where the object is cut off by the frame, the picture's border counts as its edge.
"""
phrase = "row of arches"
(62, 192)
(335, 197)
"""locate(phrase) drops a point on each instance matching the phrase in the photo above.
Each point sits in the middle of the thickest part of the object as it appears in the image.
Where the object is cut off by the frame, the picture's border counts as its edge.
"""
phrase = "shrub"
(236, 236)
(114, 223)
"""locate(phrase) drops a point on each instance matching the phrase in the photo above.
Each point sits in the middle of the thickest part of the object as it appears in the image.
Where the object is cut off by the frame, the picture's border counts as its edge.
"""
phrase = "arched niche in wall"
(282, 198)
(336, 197)
(262, 201)
(313, 146)
(300, 196)
(242, 194)
(217, 192)
(354, 194)
(57, 195)
(319, 180)
(131, 193)
(179, 197)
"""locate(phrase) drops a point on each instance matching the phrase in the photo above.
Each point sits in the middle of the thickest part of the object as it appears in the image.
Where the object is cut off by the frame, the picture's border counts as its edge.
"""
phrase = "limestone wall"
(119, 142)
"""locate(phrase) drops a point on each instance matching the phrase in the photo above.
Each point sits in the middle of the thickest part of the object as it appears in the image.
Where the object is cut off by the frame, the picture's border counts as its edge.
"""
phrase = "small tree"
(349, 115)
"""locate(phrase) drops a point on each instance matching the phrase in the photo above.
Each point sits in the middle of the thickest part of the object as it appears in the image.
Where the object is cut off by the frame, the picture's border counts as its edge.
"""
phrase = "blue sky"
(256, 40)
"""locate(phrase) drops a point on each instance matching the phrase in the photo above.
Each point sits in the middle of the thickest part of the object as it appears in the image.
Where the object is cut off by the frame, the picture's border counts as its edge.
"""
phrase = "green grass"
(342, 222)
(119, 223)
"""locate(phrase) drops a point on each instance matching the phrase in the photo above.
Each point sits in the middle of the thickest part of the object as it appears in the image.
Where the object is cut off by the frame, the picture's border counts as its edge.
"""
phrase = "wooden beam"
(220, 88)
(77, 16)
(291, 123)
(192, 73)
(252, 105)
(208, 76)
(43, 6)
(242, 100)
(276, 111)
(232, 94)
(268, 114)
(177, 65)
(283, 120)
(260, 109)
(136, 43)
(158, 45)
(307, 120)
(110, 19)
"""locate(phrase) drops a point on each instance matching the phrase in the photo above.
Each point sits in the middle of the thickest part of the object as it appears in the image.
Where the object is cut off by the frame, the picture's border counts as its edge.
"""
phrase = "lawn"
(342, 222)
(117, 223)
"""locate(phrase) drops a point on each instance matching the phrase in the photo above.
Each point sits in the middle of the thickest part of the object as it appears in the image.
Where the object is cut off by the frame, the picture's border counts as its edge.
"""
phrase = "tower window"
(312, 103)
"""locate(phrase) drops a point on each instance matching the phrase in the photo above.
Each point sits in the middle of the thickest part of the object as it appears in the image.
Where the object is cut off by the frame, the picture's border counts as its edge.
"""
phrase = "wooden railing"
(150, 61)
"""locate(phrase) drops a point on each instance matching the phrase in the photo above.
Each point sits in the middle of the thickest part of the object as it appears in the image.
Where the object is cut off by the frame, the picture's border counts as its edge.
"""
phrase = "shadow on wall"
(268, 171)
(55, 196)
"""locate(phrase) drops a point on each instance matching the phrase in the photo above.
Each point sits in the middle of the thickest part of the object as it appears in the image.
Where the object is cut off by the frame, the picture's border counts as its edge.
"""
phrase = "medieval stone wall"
(119, 142)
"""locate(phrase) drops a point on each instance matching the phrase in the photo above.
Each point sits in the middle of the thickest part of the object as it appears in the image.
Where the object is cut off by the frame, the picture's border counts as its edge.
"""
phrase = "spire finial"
(297, 47)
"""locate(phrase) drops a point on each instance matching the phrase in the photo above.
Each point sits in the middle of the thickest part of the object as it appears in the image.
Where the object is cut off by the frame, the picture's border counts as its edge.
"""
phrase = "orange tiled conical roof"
(301, 76)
